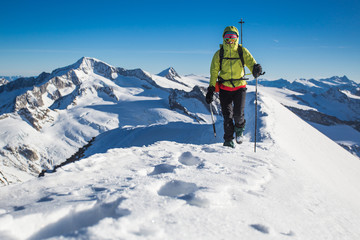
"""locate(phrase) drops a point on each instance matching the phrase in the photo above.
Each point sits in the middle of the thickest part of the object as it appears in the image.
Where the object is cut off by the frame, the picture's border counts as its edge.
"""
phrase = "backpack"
(241, 57)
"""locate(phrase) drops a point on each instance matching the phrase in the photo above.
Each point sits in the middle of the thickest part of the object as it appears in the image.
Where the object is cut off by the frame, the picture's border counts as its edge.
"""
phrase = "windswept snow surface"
(176, 181)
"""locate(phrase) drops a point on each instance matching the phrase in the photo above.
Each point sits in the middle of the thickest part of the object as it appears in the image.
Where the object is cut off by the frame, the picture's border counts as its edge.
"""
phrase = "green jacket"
(231, 69)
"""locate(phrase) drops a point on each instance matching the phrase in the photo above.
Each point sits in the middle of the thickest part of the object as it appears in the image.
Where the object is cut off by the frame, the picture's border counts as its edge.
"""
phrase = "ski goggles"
(230, 37)
(230, 40)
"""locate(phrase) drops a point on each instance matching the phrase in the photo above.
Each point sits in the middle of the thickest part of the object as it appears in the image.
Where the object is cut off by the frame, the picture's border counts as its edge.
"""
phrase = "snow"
(350, 95)
(286, 97)
(165, 83)
(172, 179)
(157, 173)
(340, 133)
(308, 83)
(193, 80)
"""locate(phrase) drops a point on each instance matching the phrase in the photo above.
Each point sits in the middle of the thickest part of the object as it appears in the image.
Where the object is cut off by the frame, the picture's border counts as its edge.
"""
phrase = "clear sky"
(290, 39)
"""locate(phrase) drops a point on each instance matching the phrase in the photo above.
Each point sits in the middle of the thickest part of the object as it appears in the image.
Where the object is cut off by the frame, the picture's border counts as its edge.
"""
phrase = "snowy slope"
(174, 180)
(331, 105)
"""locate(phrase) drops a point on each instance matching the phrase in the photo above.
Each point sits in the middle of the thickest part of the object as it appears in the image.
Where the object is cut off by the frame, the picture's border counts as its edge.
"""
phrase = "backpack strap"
(240, 52)
(221, 54)
(241, 57)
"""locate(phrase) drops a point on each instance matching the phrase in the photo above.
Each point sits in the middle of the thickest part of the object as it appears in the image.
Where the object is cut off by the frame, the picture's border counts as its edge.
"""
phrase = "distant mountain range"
(45, 120)
(328, 102)
(9, 78)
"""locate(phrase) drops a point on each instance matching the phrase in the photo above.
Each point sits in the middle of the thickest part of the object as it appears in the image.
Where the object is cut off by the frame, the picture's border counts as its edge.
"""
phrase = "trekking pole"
(212, 118)
(255, 113)
(256, 93)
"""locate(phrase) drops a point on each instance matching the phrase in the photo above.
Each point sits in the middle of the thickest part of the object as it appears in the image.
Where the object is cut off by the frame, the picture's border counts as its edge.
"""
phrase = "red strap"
(231, 89)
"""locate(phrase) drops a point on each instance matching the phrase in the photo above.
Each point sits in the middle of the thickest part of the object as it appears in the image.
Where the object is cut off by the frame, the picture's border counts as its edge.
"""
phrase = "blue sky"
(290, 39)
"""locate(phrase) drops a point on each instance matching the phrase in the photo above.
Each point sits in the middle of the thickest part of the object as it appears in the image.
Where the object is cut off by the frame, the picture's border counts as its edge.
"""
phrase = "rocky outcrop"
(198, 94)
(75, 157)
(3, 81)
(31, 104)
(24, 83)
(315, 116)
(27, 158)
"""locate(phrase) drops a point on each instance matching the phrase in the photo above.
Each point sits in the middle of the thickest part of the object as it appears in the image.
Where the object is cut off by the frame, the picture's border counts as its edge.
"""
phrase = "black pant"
(232, 107)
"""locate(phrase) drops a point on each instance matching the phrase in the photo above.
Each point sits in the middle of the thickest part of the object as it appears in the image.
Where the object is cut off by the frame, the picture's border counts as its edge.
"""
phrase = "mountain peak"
(169, 73)
(88, 63)
(3, 81)
(337, 80)
(87, 60)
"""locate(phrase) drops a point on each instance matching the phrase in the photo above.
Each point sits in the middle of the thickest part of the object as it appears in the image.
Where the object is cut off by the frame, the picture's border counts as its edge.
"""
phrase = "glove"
(257, 70)
(210, 94)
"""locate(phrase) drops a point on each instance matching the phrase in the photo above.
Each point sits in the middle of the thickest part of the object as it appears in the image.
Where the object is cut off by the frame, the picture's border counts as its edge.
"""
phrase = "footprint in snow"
(99, 189)
(261, 228)
(184, 191)
(46, 199)
(290, 233)
(266, 230)
(77, 220)
(189, 160)
(162, 168)
(18, 208)
(209, 149)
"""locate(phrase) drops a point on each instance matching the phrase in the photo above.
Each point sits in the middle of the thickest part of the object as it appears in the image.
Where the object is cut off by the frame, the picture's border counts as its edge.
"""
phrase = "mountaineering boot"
(229, 144)
(239, 134)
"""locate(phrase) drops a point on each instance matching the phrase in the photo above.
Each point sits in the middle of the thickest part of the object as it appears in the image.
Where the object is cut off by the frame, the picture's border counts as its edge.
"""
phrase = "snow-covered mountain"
(169, 73)
(172, 75)
(45, 120)
(155, 170)
(331, 105)
(10, 78)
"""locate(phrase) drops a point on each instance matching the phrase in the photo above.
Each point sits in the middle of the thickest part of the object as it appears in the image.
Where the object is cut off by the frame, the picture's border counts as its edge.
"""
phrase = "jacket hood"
(234, 46)
(231, 29)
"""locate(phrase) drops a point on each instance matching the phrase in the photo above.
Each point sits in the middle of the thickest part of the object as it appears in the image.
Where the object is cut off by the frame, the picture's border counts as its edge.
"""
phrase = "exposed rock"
(197, 93)
(36, 116)
(28, 153)
(24, 83)
(315, 117)
(3, 81)
(23, 157)
(75, 157)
